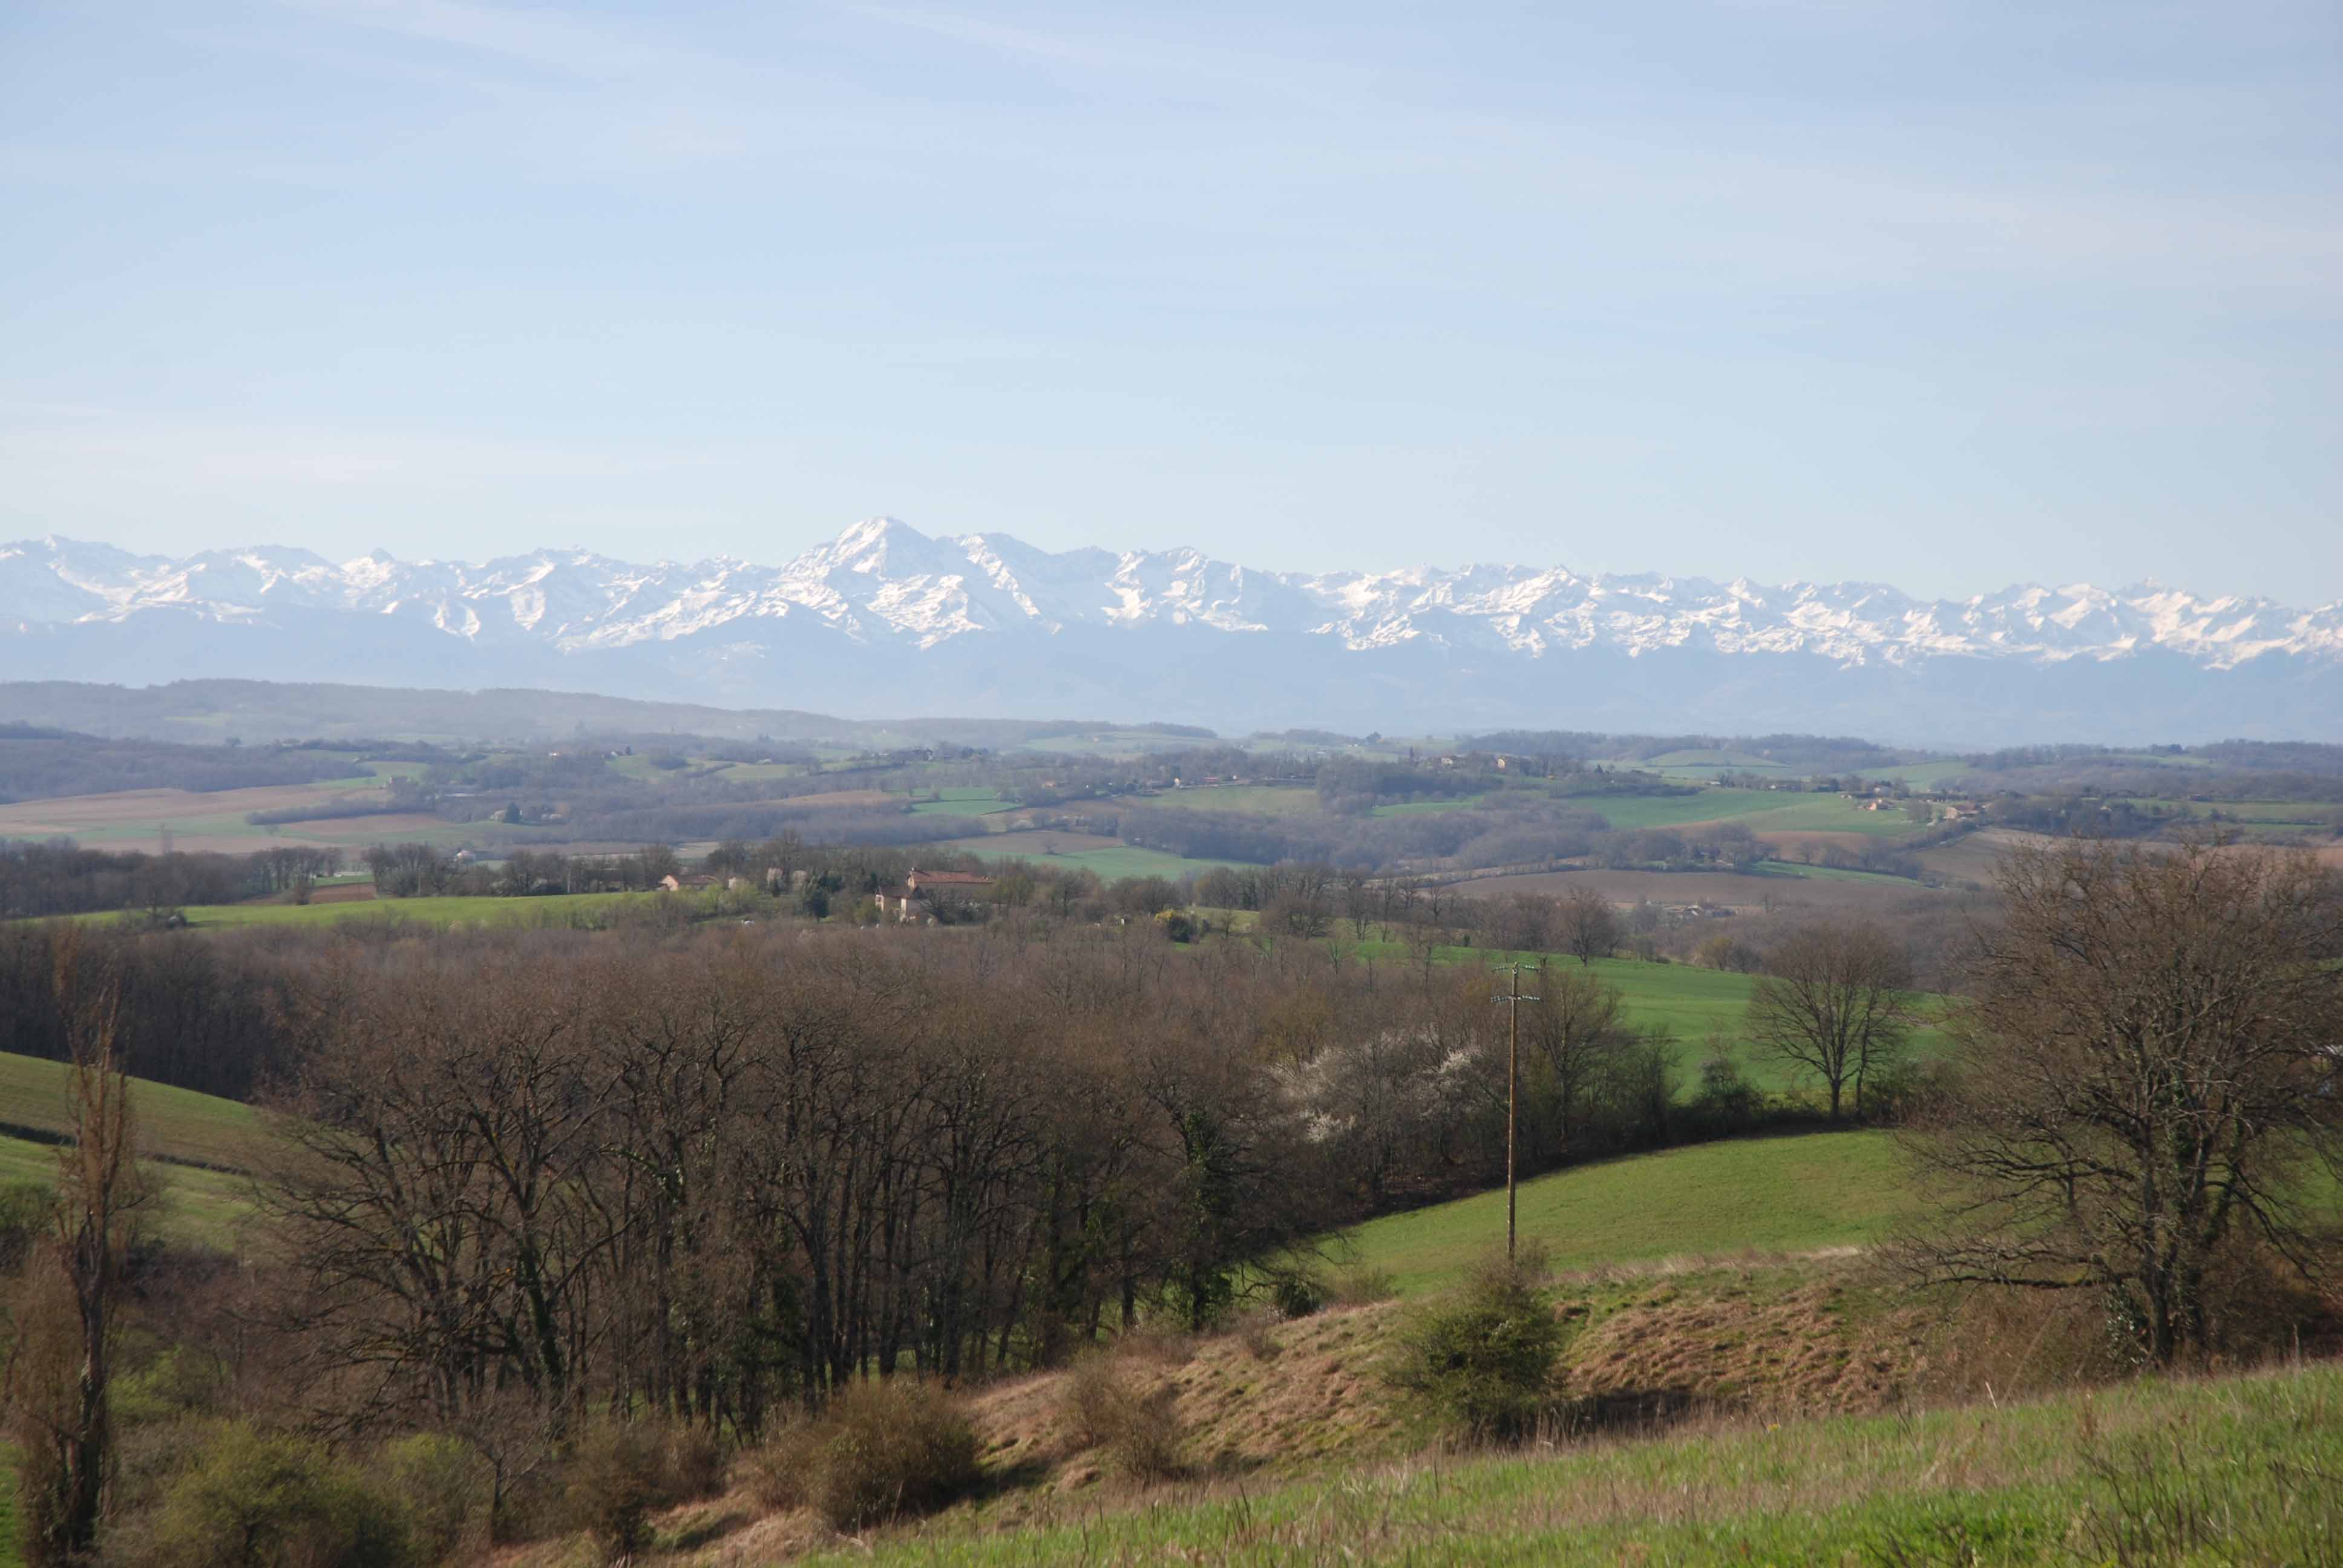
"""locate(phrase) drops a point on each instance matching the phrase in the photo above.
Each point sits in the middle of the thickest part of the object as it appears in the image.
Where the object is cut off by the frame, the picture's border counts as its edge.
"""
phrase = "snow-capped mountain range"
(884, 620)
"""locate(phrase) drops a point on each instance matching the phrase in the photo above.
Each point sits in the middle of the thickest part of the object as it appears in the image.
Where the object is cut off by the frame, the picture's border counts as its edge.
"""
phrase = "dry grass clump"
(1363, 1286)
(1136, 1432)
(1257, 1332)
(880, 1451)
(1165, 1346)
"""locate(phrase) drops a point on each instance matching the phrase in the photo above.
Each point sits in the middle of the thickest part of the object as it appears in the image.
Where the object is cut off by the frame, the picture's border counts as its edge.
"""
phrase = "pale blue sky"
(1943, 295)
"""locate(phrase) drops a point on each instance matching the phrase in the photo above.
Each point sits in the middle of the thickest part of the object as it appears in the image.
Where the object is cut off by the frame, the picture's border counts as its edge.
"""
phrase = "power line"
(1512, 1002)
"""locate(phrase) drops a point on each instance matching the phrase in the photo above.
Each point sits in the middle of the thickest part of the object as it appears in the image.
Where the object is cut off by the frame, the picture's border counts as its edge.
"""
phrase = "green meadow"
(1684, 1002)
(1626, 812)
(1792, 1194)
(196, 1145)
(1109, 864)
(556, 908)
(1243, 799)
(173, 1123)
(963, 802)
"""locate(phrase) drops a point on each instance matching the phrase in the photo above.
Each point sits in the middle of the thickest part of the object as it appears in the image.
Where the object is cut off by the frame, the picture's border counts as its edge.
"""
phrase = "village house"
(919, 887)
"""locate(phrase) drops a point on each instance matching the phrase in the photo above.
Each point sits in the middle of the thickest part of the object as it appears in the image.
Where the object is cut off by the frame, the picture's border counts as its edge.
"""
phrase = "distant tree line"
(61, 878)
(38, 764)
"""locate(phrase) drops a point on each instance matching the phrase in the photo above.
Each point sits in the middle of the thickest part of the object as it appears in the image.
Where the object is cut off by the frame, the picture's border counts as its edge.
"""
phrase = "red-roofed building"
(912, 904)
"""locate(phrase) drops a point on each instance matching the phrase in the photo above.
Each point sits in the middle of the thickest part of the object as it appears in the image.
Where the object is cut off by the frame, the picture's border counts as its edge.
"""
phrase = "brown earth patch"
(138, 807)
(838, 799)
(1974, 857)
(1818, 839)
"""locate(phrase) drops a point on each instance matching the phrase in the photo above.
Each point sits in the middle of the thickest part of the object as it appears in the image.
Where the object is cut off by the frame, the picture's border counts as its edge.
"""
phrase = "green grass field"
(1626, 812)
(173, 1124)
(1421, 808)
(1788, 1194)
(201, 1206)
(558, 908)
(1708, 764)
(1113, 865)
(1110, 860)
(1687, 1002)
(1247, 799)
(1760, 811)
(2231, 1471)
(963, 802)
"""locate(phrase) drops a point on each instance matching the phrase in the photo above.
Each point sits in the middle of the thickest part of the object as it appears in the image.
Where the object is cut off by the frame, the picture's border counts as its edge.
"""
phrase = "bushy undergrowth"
(1134, 1430)
(265, 1501)
(881, 1451)
(1481, 1358)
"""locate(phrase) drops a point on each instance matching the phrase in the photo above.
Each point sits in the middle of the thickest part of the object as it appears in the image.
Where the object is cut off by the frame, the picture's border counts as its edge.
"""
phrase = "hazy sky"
(1939, 294)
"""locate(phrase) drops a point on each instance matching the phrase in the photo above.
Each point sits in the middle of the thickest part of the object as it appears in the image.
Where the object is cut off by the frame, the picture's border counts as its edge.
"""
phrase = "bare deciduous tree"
(1570, 1030)
(1834, 1002)
(2152, 1056)
(1587, 925)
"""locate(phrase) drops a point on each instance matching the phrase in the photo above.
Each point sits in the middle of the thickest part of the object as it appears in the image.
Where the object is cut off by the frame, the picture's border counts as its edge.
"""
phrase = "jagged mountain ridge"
(884, 614)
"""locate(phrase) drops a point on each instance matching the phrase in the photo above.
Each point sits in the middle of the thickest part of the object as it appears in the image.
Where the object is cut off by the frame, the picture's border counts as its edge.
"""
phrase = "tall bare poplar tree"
(2149, 1069)
(59, 1368)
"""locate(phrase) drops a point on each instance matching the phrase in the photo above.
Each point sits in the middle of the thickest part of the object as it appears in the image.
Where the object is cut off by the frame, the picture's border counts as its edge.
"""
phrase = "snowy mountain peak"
(1045, 621)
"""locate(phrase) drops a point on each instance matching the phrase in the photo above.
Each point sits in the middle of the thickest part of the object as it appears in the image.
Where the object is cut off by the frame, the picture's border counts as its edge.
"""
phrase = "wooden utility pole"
(1512, 999)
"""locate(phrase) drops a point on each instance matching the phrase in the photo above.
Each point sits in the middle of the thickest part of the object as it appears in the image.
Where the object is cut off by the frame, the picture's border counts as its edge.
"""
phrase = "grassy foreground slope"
(2234, 1470)
(1788, 1194)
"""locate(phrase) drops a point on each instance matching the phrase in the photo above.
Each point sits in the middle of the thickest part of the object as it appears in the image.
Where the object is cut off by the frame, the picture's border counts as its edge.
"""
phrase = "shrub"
(880, 1451)
(616, 1482)
(449, 1488)
(1481, 1358)
(1137, 1434)
(691, 1462)
(1299, 1294)
(255, 1501)
(1727, 1101)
